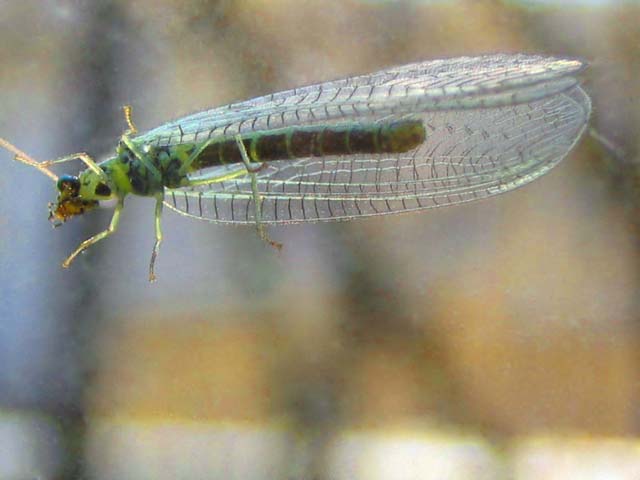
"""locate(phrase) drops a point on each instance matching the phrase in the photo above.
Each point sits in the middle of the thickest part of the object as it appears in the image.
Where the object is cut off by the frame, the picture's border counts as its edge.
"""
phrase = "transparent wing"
(450, 84)
(469, 153)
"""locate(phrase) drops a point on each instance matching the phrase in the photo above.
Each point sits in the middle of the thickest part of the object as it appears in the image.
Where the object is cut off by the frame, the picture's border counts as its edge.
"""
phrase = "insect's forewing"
(492, 123)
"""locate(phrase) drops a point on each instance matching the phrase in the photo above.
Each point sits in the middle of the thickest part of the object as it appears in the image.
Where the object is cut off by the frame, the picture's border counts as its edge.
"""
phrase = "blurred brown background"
(495, 340)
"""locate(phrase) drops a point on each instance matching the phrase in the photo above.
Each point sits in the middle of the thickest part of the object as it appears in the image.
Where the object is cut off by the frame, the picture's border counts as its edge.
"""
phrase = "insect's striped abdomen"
(376, 138)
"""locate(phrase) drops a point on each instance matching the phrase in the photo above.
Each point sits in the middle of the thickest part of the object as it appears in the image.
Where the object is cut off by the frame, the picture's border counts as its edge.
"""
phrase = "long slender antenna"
(20, 156)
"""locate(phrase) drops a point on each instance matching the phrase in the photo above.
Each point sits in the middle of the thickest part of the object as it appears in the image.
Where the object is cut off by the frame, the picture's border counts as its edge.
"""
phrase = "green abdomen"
(316, 141)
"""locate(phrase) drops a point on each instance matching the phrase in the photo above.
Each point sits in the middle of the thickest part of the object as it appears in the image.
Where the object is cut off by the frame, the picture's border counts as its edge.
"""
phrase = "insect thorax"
(158, 168)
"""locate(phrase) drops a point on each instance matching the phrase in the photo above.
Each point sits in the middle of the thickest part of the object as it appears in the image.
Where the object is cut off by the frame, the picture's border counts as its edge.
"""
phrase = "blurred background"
(496, 340)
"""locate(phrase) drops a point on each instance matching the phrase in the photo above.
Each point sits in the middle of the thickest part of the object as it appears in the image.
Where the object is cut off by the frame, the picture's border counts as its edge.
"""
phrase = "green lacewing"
(412, 137)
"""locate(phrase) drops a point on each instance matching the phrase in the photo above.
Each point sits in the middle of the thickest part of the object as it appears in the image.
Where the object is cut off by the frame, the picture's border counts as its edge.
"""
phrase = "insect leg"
(140, 156)
(156, 247)
(257, 200)
(612, 149)
(42, 166)
(84, 157)
(113, 225)
(209, 179)
(185, 167)
(126, 139)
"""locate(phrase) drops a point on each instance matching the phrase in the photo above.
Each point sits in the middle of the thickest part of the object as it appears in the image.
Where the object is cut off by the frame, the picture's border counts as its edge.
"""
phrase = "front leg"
(20, 156)
(113, 226)
(84, 157)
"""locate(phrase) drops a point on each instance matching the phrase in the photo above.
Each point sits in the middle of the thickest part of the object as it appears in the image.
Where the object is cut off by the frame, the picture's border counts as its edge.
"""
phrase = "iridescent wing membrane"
(492, 124)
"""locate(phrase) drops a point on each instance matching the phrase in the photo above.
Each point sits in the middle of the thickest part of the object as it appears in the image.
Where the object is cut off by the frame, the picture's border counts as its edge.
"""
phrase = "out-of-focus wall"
(494, 340)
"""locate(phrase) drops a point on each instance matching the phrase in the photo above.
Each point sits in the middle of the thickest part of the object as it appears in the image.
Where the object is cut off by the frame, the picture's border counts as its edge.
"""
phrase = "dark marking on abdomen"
(375, 138)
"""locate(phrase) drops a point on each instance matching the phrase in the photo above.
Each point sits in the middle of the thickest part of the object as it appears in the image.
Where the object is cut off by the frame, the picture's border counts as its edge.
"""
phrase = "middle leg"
(113, 226)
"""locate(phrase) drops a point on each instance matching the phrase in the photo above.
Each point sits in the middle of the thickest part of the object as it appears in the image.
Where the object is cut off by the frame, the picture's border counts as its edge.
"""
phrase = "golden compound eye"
(69, 184)
(103, 190)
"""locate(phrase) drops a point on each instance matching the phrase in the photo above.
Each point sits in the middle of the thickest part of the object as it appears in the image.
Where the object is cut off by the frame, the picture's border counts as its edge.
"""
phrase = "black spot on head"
(103, 190)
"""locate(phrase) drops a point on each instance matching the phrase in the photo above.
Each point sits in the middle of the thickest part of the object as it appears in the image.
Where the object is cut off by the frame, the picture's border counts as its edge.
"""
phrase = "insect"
(423, 135)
